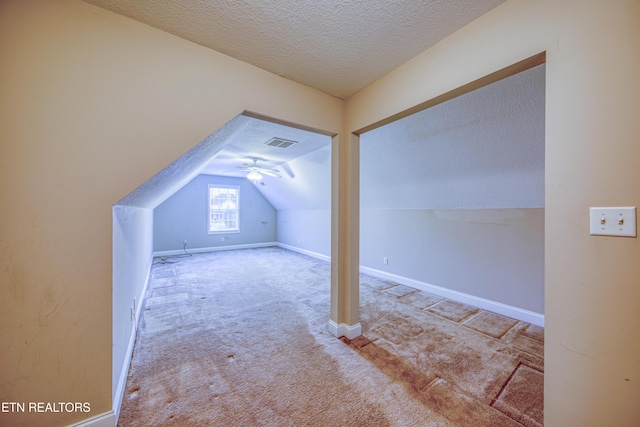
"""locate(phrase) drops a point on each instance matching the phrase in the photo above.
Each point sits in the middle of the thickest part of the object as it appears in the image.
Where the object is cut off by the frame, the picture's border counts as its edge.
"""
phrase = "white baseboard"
(344, 330)
(107, 419)
(304, 251)
(124, 371)
(485, 304)
(494, 306)
(215, 248)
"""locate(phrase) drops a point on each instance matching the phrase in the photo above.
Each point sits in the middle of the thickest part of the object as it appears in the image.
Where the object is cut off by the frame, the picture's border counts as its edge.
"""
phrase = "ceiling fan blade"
(269, 172)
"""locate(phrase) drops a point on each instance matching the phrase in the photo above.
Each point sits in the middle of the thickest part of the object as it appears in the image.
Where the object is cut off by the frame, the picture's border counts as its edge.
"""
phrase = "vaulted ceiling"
(484, 149)
(339, 47)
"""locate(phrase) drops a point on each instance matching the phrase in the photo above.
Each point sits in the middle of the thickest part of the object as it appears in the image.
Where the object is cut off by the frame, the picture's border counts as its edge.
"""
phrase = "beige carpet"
(239, 338)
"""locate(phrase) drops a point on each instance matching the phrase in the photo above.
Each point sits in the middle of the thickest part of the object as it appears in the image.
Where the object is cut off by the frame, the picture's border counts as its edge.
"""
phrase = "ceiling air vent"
(280, 143)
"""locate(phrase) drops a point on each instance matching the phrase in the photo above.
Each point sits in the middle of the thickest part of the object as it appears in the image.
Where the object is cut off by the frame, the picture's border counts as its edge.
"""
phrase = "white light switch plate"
(615, 221)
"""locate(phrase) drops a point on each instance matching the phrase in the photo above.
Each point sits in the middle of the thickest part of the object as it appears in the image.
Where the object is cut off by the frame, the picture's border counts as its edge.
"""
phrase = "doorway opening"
(168, 216)
(452, 210)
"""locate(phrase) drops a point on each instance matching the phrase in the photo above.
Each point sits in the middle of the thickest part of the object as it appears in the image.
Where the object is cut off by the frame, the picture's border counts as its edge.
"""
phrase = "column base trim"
(344, 330)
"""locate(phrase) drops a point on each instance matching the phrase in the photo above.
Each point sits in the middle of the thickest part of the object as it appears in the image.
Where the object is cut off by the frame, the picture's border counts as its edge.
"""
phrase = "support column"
(345, 236)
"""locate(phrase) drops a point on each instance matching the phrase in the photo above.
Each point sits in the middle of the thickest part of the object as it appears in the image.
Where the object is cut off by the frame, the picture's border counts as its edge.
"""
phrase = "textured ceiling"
(484, 149)
(251, 143)
(338, 47)
(304, 167)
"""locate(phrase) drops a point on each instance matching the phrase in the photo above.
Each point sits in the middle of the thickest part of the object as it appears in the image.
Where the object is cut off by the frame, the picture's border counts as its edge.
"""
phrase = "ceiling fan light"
(254, 176)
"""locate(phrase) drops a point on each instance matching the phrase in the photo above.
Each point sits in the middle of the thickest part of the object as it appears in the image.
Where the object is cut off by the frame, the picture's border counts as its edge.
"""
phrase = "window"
(224, 203)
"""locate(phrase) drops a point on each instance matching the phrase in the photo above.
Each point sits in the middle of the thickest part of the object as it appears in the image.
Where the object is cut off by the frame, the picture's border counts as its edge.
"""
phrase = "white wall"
(184, 216)
(132, 257)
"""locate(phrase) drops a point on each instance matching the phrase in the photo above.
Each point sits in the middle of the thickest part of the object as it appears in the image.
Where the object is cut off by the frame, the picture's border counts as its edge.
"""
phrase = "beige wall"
(92, 105)
(592, 291)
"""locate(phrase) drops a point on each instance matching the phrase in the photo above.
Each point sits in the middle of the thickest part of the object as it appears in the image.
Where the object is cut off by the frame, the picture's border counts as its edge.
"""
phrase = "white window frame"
(211, 211)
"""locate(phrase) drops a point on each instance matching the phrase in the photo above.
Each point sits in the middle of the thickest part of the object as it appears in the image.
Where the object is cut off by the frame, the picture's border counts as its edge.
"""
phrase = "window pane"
(223, 209)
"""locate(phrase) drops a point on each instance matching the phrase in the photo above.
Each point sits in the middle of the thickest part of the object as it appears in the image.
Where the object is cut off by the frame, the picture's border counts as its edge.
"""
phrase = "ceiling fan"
(256, 172)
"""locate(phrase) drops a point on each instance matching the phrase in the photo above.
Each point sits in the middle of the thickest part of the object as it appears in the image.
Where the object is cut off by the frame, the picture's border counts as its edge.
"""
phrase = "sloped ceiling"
(484, 149)
(481, 150)
(338, 47)
(489, 142)
(304, 167)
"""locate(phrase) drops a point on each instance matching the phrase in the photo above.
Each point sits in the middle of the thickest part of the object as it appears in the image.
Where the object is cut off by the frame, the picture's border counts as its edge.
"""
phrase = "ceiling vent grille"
(280, 142)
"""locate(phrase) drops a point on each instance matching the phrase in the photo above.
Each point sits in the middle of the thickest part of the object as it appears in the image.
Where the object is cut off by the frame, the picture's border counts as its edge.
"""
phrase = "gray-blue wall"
(452, 196)
(184, 216)
(306, 229)
(495, 254)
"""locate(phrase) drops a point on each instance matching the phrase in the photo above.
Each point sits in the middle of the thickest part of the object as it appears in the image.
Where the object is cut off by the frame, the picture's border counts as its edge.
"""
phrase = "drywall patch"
(502, 217)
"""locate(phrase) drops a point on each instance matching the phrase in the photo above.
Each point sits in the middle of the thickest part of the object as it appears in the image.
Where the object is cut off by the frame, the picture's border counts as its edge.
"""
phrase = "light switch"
(616, 221)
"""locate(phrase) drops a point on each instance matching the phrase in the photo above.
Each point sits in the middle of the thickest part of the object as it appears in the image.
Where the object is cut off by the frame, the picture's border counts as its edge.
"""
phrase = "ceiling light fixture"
(254, 176)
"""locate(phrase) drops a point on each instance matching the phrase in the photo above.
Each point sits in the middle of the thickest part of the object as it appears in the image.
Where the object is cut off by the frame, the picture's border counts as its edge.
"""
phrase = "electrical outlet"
(184, 243)
(132, 314)
(385, 260)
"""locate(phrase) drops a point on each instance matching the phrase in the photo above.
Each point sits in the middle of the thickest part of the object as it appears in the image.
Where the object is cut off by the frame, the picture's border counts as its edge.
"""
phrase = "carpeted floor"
(239, 338)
